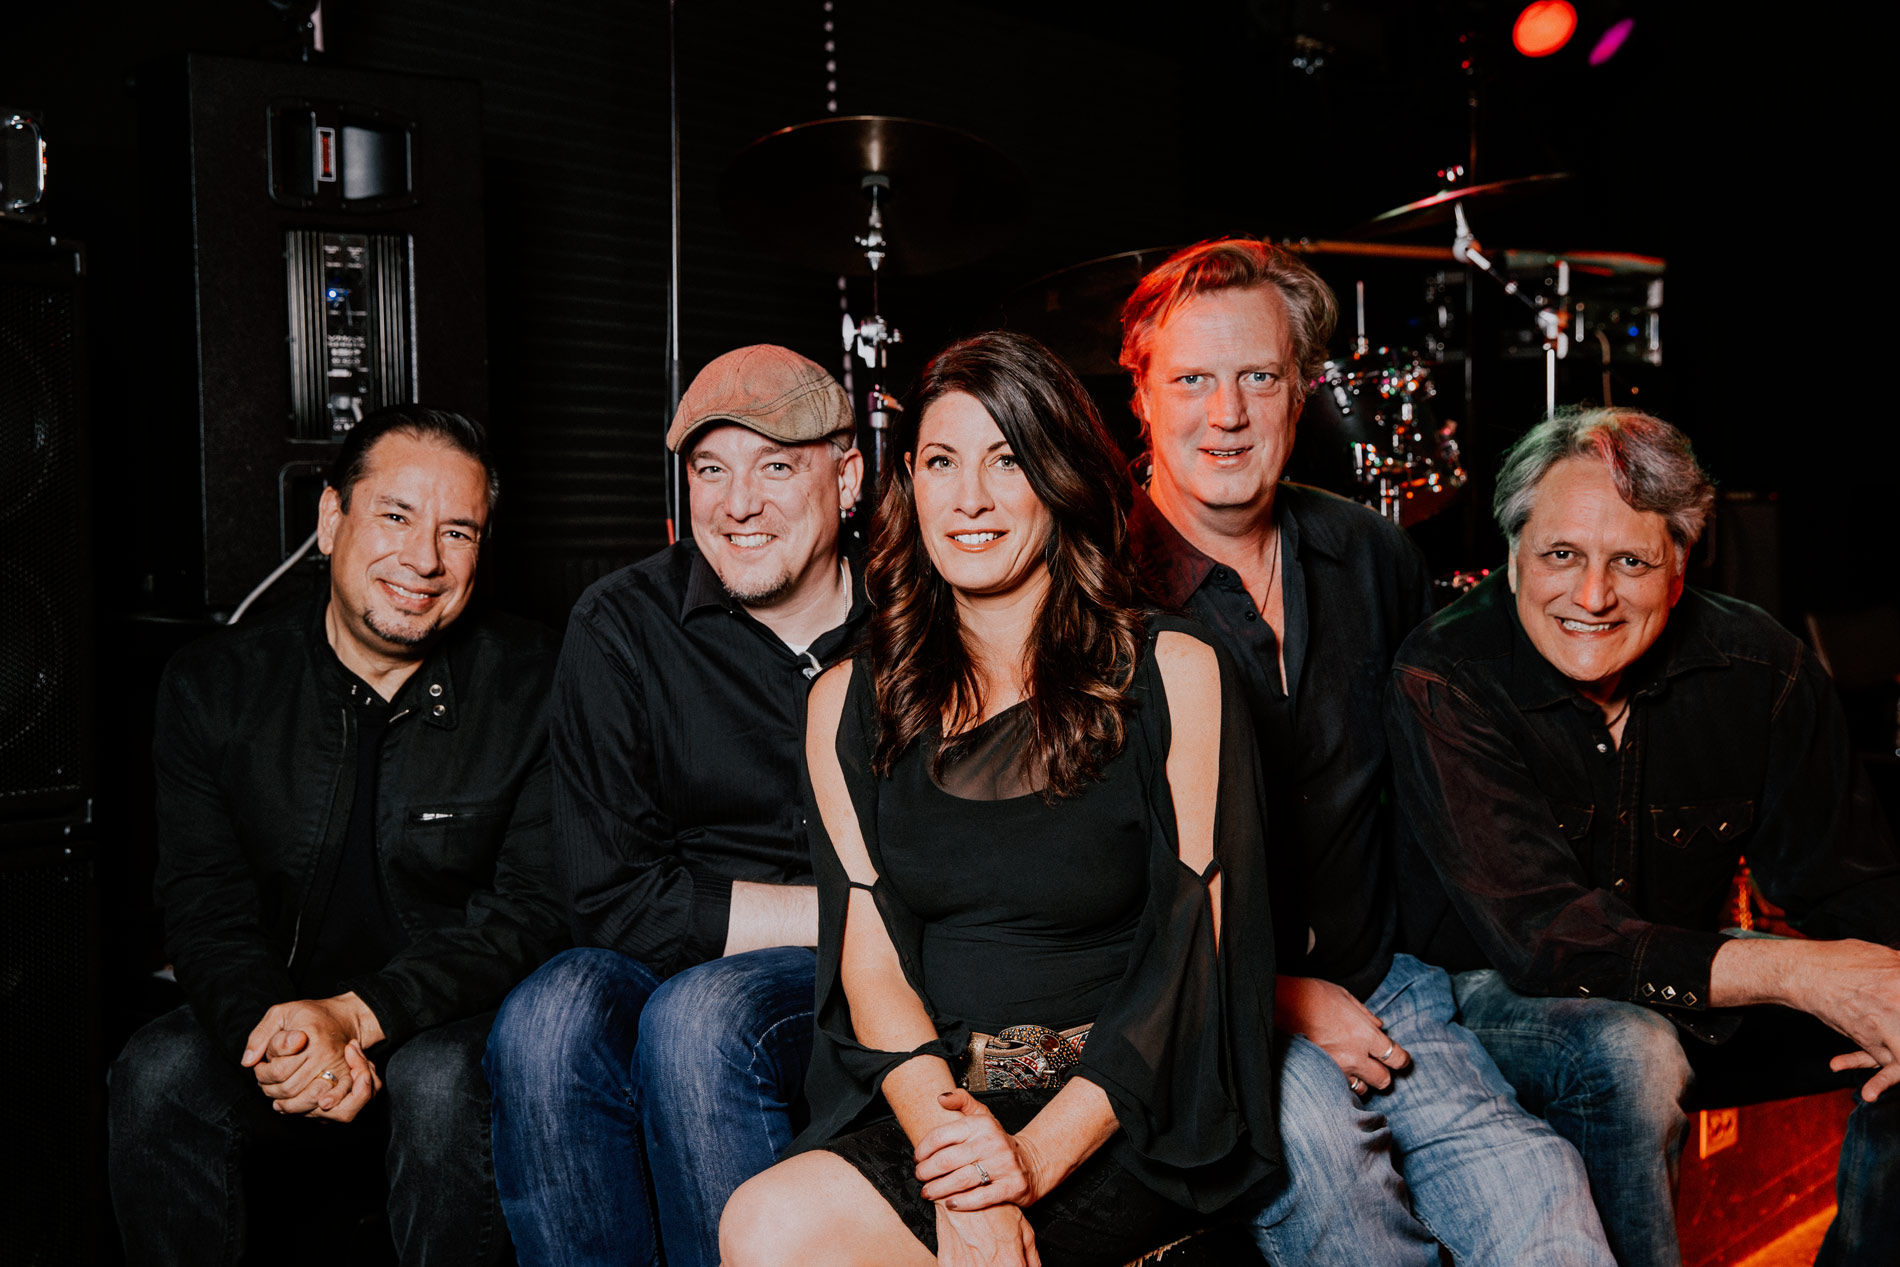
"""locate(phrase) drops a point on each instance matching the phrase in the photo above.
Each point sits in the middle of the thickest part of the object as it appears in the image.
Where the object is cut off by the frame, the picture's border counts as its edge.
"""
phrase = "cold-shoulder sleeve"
(1184, 1047)
(843, 1083)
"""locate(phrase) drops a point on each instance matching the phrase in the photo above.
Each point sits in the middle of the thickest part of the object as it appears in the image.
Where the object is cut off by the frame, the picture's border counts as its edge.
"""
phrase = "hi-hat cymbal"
(1437, 209)
(952, 198)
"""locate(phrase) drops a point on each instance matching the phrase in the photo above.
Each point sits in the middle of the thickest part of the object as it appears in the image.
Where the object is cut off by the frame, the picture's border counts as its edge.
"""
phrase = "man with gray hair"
(1584, 750)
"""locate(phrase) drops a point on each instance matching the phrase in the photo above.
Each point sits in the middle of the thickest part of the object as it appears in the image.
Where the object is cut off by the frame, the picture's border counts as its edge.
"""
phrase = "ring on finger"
(1389, 1049)
(327, 1076)
(982, 1173)
(1356, 1084)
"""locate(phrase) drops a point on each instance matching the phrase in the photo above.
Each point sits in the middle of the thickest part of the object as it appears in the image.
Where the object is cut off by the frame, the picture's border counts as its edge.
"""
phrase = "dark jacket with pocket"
(1580, 867)
(255, 755)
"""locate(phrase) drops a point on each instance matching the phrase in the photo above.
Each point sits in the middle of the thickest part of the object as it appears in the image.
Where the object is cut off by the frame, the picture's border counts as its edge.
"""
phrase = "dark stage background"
(1717, 138)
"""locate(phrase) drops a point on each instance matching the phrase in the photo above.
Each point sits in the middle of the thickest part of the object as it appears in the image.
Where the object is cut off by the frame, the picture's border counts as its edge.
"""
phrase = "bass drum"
(1369, 432)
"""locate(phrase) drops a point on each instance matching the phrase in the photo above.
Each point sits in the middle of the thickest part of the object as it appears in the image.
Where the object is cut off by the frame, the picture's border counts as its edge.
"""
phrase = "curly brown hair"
(1081, 657)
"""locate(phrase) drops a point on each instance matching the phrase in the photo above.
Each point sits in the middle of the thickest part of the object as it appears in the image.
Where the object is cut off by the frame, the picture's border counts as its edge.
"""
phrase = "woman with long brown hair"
(1045, 967)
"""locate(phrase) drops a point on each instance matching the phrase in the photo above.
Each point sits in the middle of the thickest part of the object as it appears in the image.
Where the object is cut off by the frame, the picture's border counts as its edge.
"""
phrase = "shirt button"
(1688, 998)
(1603, 747)
(1648, 990)
(1621, 886)
(1253, 615)
(1669, 992)
(440, 709)
(435, 688)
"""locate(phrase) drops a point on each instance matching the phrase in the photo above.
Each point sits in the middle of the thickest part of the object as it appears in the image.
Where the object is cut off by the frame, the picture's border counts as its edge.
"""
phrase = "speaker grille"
(42, 574)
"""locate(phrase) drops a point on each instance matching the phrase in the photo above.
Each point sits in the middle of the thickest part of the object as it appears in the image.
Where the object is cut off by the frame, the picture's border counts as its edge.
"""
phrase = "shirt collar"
(1172, 568)
(429, 691)
(705, 590)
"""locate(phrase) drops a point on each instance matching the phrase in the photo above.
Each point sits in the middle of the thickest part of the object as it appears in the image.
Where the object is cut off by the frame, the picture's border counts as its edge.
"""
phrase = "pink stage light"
(1611, 41)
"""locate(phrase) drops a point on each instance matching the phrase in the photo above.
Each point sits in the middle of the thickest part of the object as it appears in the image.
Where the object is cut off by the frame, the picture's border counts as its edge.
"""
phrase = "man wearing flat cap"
(643, 1075)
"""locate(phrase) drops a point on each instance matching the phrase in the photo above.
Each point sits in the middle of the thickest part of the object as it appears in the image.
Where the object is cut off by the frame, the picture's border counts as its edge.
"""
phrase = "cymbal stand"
(1551, 320)
(872, 337)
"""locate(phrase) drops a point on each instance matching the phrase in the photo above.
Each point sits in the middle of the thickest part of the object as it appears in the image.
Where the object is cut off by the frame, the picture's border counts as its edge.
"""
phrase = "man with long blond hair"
(1397, 1129)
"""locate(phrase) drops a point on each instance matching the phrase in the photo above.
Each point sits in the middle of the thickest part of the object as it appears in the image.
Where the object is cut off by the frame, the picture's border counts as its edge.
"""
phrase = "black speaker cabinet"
(45, 586)
(313, 250)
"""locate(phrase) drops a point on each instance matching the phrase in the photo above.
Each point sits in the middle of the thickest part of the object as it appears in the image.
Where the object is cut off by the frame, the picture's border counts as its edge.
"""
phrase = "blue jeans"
(628, 1108)
(1445, 1155)
(1616, 1080)
(186, 1122)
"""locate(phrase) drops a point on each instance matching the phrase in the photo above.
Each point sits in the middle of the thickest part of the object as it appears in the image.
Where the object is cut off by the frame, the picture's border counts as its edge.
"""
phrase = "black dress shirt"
(1576, 866)
(677, 737)
(1352, 586)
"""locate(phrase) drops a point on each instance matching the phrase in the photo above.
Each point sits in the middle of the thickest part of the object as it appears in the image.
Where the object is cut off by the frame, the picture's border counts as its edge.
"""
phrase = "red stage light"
(1544, 27)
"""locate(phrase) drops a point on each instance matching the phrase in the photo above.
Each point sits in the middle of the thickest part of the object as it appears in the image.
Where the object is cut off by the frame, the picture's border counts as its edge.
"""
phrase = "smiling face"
(765, 514)
(983, 525)
(402, 556)
(1220, 402)
(1594, 578)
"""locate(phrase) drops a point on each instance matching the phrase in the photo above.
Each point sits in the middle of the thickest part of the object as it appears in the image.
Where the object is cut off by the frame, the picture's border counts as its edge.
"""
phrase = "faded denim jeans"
(1618, 1080)
(628, 1108)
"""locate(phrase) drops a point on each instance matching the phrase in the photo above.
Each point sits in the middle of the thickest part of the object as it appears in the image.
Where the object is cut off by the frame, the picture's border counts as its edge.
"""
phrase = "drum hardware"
(801, 191)
(1552, 319)
(1405, 461)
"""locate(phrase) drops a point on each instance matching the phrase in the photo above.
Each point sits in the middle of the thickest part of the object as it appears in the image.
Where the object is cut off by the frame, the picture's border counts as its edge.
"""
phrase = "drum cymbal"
(1437, 209)
(951, 197)
(1077, 311)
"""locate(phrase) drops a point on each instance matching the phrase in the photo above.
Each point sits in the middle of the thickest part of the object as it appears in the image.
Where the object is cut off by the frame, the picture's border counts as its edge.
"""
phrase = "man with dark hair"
(1397, 1130)
(644, 1075)
(1584, 751)
(353, 866)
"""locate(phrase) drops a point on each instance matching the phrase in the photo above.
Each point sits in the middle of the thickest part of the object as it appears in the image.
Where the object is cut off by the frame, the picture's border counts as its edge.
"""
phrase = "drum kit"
(875, 196)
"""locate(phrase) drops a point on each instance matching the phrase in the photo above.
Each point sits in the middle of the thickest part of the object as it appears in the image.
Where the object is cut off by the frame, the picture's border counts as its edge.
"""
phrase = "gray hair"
(1651, 463)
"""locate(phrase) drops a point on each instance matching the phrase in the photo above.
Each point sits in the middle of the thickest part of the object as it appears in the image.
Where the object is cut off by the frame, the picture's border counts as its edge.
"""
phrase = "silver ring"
(982, 1172)
(328, 1077)
(1389, 1049)
(1356, 1085)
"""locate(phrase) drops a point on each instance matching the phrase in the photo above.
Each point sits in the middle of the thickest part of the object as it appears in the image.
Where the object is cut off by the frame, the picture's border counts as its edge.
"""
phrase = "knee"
(579, 1008)
(160, 1062)
(1324, 1130)
(1627, 1060)
(698, 1017)
(768, 1222)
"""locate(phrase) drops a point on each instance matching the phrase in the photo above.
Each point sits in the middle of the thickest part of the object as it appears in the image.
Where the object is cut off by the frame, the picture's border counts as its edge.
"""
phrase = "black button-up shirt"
(1578, 867)
(1352, 587)
(677, 738)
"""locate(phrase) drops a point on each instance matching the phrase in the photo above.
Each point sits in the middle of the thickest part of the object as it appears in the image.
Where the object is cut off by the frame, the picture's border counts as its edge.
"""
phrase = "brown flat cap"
(770, 389)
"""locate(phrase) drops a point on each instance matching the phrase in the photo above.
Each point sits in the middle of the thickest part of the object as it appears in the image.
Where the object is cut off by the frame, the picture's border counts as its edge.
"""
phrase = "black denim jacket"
(255, 754)
(1578, 867)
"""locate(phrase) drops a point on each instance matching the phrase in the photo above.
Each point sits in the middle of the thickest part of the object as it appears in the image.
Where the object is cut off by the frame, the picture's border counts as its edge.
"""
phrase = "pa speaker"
(45, 586)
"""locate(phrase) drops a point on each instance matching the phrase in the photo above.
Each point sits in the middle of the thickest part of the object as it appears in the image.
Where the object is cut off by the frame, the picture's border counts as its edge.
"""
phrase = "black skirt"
(1100, 1216)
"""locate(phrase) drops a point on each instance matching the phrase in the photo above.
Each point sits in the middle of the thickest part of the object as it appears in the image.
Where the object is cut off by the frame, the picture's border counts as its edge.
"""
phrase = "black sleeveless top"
(1028, 909)
(1006, 910)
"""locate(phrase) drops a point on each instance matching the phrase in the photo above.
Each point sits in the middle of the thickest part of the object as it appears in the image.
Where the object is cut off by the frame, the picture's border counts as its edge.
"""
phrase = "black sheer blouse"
(1182, 1038)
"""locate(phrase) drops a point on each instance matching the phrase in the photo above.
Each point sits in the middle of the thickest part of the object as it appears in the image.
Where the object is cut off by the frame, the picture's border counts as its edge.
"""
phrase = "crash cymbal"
(1077, 311)
(951, 198)
(1437, 209)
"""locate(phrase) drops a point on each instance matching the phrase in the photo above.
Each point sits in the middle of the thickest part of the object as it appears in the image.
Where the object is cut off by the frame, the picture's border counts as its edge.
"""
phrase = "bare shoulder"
(1190, 672)
(824, 710)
